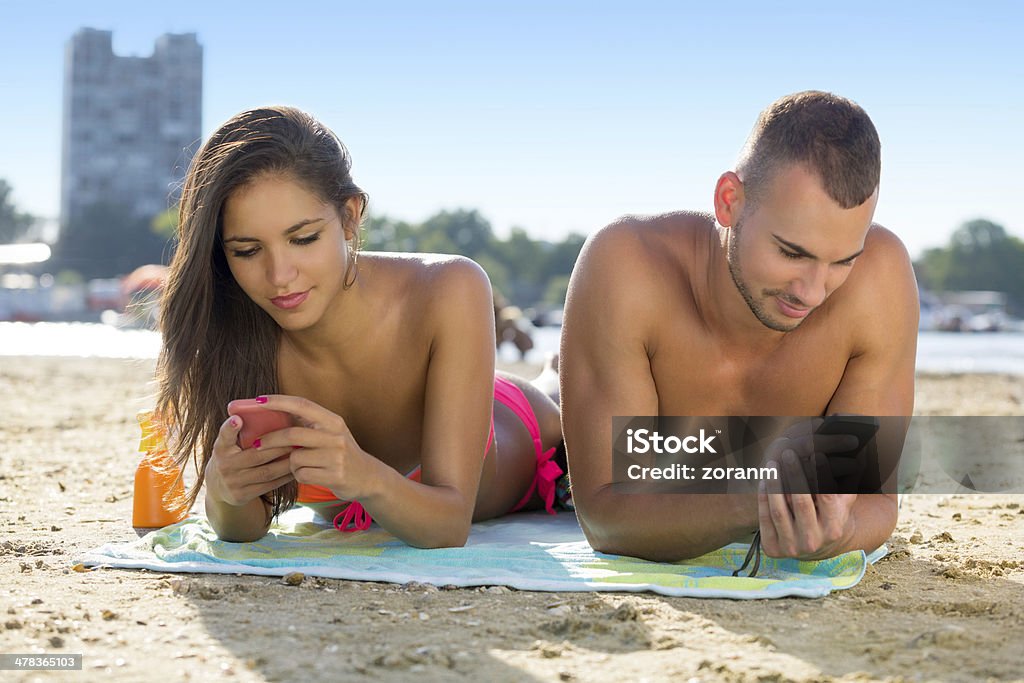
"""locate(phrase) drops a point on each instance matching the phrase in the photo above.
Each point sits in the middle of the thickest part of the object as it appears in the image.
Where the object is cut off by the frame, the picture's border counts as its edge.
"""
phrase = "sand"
(946, 604)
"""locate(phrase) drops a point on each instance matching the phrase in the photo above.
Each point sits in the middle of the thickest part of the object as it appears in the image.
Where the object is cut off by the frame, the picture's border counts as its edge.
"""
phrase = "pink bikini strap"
(548, 472)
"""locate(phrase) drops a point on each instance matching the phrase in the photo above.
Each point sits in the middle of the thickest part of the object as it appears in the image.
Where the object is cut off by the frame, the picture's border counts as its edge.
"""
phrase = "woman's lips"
(290, 300)
(791, 311)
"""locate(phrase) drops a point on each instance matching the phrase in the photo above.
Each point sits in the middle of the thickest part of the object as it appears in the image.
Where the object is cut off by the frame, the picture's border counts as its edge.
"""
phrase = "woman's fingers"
(295, 438)
(273, 485)
(227, 435)
(311, 414)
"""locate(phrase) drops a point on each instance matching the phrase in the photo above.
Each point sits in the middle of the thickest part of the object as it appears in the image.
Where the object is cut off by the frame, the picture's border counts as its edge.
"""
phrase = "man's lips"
(290, 300)
(789, 310)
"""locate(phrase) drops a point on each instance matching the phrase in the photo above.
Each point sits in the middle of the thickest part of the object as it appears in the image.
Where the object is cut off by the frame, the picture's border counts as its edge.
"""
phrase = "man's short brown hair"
(830, 135)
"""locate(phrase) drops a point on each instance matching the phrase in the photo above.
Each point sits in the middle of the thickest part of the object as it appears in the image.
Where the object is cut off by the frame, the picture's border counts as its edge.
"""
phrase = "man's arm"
(615, 298)
(879, 377)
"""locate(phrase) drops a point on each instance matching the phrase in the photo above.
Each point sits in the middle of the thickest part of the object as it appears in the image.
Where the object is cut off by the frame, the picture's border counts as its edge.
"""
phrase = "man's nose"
(813, 285)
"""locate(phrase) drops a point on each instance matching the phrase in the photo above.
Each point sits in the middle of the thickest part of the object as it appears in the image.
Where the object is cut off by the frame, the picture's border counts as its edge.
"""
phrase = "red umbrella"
(148, 277)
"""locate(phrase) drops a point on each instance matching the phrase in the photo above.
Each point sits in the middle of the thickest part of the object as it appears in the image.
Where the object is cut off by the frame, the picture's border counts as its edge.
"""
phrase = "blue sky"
(559, 117)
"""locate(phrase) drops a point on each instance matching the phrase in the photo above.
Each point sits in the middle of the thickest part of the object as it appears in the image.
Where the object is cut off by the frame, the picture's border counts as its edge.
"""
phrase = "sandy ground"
(947, 604)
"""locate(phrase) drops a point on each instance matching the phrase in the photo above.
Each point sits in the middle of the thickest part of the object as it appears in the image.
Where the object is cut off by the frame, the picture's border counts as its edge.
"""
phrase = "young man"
(788, 301)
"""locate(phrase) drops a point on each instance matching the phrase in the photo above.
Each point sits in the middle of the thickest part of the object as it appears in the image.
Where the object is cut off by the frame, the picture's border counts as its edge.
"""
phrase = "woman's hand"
(236, 476)
(325, 452)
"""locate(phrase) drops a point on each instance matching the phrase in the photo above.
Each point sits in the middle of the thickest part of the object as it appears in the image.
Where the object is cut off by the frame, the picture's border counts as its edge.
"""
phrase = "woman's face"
(286, 249)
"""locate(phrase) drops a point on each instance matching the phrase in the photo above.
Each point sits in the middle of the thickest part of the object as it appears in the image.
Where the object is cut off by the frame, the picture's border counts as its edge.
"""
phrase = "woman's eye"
(308, 239)
(244, 253)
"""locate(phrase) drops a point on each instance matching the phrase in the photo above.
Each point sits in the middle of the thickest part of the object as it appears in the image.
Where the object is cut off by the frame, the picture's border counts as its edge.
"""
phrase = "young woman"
(384, 361)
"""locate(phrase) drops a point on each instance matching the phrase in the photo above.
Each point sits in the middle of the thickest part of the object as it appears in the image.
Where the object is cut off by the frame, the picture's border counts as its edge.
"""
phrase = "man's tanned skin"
(790, 305)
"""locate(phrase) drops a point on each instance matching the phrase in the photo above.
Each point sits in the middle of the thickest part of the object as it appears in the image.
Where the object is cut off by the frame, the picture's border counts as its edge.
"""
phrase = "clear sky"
(560, 116)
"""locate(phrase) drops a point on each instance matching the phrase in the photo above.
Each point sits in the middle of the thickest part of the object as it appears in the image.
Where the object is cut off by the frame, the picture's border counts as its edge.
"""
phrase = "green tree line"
(980, 256)
(108, 241)
(524, 270)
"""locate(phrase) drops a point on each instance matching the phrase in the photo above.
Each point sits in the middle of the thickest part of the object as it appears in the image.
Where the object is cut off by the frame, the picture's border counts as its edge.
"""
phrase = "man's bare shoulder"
(654, 243)
(886, 246)
(884, 265)
(634, 274)
(881, 292)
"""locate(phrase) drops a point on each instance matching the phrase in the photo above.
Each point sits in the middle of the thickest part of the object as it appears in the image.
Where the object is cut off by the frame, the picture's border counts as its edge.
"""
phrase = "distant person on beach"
(384, 362)
(788, 301)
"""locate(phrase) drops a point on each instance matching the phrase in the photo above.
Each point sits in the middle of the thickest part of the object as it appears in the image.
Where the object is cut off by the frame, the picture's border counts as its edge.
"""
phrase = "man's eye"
(790, 254)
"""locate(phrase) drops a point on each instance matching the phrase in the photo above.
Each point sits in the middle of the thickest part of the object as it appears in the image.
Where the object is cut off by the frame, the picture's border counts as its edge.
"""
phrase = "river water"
(936, 351)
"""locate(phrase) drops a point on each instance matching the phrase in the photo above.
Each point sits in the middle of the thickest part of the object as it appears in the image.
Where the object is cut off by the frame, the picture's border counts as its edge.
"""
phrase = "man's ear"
(728, 199)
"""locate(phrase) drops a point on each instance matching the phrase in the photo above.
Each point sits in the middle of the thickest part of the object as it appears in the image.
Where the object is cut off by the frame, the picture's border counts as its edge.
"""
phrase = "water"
(936, 351)
(88, 340)
(1001, 352)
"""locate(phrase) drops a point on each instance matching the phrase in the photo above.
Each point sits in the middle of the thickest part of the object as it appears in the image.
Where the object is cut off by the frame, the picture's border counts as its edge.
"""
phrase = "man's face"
(788, 253)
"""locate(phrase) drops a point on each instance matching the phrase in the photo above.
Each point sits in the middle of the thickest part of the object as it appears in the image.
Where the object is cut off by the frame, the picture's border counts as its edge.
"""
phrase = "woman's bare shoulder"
(423, 271)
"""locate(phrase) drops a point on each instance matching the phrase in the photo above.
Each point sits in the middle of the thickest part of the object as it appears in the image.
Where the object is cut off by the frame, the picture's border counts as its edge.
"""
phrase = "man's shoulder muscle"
(882, 288)
(637, 253)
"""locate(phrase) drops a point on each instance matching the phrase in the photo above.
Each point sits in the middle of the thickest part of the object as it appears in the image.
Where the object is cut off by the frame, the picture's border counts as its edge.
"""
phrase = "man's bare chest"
(797, 378)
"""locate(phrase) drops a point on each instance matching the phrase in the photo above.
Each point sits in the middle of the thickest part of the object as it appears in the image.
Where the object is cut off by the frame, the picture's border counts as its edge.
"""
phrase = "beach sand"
(946, 604)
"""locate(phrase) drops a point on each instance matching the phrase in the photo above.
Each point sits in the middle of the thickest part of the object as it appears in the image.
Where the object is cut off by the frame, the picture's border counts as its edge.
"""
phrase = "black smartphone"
(864, 427)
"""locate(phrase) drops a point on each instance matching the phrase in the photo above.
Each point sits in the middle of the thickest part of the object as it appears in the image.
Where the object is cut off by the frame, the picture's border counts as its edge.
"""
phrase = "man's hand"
(802, 525)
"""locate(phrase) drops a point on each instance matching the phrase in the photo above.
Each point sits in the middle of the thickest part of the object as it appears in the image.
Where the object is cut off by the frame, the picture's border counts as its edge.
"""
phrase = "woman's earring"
(352, 269)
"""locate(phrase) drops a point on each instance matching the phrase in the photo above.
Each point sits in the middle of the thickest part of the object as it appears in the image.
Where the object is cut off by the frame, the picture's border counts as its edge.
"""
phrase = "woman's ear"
(353, 214)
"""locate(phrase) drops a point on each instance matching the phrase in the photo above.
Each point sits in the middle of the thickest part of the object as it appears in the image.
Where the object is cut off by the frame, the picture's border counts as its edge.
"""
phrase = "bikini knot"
(355, 515)
(548, 473)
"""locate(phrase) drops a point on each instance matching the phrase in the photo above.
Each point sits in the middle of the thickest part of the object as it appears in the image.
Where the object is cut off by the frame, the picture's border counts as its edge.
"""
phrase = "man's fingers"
(769, 536)
(794, 477)
(778, 509)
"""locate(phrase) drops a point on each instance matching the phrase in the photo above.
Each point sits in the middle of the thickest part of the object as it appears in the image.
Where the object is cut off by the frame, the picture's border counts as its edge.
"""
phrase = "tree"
(521, 269)
(458, 232)
(980, 256)
(13, 223)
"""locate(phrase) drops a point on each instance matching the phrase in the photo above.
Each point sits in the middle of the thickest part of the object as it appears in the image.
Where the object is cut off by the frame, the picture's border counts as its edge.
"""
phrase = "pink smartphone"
(257, 421)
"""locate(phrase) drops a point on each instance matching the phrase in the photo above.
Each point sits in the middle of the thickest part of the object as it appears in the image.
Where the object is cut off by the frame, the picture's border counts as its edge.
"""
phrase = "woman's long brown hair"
(218, 345)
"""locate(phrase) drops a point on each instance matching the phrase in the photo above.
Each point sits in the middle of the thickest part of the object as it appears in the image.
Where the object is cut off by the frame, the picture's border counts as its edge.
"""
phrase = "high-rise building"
(131, 124)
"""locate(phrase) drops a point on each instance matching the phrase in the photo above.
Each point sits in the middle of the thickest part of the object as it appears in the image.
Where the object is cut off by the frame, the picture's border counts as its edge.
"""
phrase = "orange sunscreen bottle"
(159, 491)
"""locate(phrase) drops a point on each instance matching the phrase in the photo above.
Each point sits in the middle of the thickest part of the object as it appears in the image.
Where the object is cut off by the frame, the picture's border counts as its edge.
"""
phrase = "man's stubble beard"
(736, 272)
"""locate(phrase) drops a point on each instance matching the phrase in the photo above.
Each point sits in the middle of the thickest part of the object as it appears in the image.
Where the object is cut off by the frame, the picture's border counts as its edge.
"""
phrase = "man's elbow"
(599, 524)
(609, 531)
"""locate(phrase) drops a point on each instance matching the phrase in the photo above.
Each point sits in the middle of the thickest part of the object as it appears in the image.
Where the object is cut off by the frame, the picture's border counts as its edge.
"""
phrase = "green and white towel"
(530, 551)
